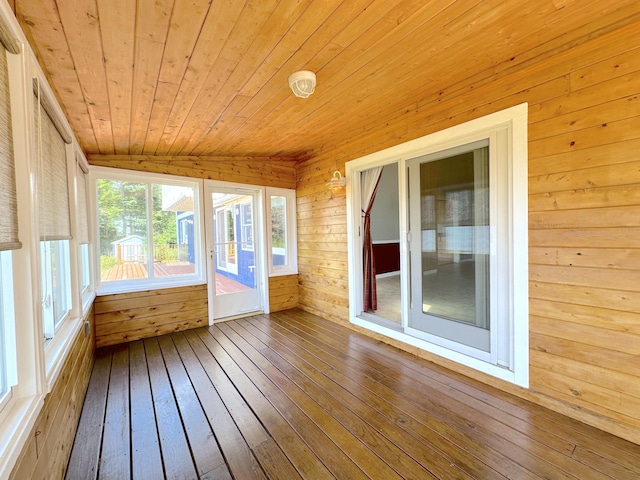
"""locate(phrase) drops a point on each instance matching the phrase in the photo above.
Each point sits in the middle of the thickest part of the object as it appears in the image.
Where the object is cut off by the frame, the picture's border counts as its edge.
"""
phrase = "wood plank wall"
(283, 293)
(263, 171)
(584, 198)
(126, 317)
(47, 451)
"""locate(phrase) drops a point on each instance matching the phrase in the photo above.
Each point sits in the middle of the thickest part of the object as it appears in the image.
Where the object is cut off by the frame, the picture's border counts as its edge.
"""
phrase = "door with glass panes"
(234, 252)
(452, 284)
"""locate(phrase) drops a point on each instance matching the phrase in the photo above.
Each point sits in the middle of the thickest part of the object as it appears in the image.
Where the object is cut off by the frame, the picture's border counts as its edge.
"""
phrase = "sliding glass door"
(451, 281)
(463, 244)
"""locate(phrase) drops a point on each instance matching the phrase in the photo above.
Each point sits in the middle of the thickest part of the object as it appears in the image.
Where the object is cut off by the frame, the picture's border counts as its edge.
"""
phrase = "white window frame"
(7, 328)
(85, 263)
(20, 412)
(291, 266)
(86, 292)
(246, 246)
(50, 323)
(513, 123)
(134, 285)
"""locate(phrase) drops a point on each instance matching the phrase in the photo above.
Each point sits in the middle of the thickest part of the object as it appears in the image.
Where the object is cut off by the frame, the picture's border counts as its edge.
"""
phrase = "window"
(82, 229)
(281, 240)
(7, 331)
(21, 340)
(85, 274)
(246, 218)
(8, 237)
(53, 214)
(122, 216)
(463, 211)
(56, 281)
(279, 231)
(149, 232)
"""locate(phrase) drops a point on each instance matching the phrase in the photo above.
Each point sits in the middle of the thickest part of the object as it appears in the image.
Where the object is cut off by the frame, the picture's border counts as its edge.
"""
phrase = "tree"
(122, 211)
(278, 219)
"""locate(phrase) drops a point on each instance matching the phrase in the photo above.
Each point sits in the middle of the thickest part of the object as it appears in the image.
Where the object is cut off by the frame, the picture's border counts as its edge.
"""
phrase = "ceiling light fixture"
(302, 83)
(336, 182)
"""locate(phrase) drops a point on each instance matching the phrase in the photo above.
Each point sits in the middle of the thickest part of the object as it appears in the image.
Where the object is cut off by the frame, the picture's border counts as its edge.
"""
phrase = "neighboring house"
(180, 201)
(278, 255)
(234, 240)
(233, 217)
(186, 250)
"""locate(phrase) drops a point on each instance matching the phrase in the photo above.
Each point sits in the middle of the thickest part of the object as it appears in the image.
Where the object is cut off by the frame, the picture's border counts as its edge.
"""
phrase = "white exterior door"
(234, 244)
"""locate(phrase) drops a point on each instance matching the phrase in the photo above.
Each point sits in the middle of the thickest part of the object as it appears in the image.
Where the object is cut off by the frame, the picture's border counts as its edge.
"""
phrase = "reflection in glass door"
(225, 246)
(451, 284)
(234, 253)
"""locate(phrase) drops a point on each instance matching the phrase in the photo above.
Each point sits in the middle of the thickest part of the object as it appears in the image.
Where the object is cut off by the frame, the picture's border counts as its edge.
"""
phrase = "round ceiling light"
(302, 83)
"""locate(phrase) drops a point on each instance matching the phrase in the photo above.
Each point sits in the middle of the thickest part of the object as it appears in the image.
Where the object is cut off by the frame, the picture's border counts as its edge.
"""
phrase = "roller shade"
(8, 203)
(8, 41)
(48, 106)
(53, 188)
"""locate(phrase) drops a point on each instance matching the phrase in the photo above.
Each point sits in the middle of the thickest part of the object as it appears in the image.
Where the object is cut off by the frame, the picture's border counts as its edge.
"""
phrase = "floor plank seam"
(288, 395)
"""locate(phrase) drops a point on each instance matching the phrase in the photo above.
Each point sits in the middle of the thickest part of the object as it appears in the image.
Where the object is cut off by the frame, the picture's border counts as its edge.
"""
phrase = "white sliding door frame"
(511, 364)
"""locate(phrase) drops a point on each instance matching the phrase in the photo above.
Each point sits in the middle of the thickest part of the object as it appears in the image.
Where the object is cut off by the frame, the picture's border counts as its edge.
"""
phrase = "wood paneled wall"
(47, 451)
(584, 204)
(126, 317)
(283, 293)
(265, 171)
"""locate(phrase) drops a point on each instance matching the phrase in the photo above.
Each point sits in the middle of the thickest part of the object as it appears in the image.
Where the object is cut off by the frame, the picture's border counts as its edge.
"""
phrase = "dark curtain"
(369, 265)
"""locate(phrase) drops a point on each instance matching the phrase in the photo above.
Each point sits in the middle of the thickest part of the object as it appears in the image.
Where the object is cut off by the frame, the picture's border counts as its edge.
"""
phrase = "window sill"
(57, 350)
(87, 303)
(282, 272)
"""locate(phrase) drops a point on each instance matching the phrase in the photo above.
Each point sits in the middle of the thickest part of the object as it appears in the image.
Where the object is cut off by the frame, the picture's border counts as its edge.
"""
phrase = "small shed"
(130, 249)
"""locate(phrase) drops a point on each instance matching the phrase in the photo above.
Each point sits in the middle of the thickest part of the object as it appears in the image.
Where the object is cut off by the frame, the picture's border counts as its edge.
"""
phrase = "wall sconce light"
(336, 182)
(302, 83)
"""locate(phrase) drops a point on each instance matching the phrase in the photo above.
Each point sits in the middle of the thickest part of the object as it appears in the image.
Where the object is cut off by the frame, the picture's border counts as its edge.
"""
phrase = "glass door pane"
(224, 228)
(449, 196)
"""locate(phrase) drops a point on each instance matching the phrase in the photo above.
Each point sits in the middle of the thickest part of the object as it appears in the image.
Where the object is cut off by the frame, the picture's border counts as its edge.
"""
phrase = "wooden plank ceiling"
(203, 77)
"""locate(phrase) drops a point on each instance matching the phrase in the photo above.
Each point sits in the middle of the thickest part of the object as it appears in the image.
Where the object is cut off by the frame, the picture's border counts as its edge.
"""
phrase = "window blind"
(49, 107)
(83, 228)
(53, 188)
(8, 203)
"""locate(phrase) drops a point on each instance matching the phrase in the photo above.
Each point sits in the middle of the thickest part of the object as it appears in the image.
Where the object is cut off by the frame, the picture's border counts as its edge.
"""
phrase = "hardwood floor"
(290, 395)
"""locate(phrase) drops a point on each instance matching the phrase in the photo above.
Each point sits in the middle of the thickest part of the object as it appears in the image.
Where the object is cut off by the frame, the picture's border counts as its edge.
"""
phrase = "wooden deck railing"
(162, 252)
